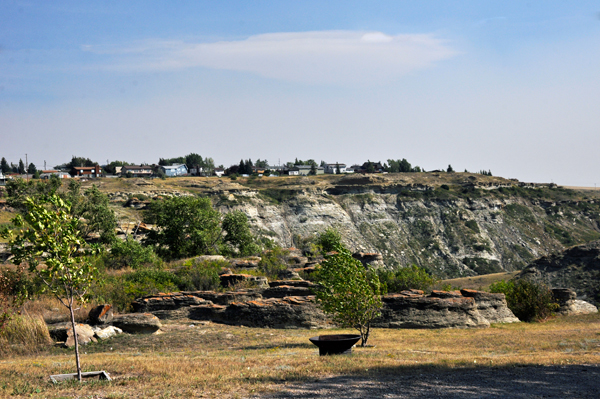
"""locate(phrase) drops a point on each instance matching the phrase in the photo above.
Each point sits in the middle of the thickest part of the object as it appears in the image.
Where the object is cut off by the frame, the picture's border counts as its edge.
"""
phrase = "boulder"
(85, 335)
(137, 323)
(404, 311)
(491, 306)
(107, 332)
(369, 259)
(569, 304)
(55, 317)
(228, 280)
(288, 274)
(101, 314)
(292, 283)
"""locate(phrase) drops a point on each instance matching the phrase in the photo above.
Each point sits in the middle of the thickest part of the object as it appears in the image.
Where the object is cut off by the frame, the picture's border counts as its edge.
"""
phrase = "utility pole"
(45, 164)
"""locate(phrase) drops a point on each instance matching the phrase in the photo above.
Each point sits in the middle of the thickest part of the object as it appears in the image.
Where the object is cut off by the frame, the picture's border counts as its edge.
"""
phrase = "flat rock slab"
(137, 323)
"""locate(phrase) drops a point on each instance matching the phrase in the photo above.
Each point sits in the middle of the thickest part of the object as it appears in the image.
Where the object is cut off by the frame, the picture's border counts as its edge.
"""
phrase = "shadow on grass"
(517, 381)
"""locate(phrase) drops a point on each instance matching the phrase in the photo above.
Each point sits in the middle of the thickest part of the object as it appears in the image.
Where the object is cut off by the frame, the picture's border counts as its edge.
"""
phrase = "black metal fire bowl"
(340, 344)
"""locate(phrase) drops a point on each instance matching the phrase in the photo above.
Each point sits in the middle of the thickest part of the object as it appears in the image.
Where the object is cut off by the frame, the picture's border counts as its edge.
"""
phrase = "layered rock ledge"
(290, 304)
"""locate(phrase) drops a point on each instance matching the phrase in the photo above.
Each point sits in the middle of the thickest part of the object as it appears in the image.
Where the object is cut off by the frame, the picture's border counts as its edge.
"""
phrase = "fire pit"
(335, 344)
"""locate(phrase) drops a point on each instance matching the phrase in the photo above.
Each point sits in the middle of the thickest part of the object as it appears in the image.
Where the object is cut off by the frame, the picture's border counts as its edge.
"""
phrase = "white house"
(331, 168)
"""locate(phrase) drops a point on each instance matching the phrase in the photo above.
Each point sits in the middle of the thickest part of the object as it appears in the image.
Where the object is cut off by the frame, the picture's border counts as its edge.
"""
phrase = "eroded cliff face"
(454, 224)
(452, 237)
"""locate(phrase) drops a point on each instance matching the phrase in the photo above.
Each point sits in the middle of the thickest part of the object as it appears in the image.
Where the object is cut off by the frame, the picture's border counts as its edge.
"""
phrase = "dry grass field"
(480, 283)
(192, 359)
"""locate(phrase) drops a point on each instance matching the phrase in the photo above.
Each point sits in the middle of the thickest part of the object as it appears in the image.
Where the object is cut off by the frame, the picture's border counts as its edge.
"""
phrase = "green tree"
(21, 169)
(406, 278)
(4, 166)
(50, 243)
(186, 227)
(31, 169)
(18, 190)
(337, 168)
(313, 170)
(449, 170)
(370, 167)
(329, 240)
(349, 292)
(238, 239)
(93, 212)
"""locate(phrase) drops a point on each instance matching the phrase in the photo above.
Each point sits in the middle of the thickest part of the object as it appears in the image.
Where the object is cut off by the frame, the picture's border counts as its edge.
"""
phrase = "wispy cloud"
(311, 57)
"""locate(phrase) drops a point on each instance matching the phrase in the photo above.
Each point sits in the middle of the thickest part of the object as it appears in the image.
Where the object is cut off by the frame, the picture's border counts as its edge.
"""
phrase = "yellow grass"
(215, 360)
(479, 282)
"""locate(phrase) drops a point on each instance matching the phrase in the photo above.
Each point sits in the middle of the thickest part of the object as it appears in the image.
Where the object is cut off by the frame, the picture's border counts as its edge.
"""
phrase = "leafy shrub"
(406, 278)
(273, 262)
(200, 276)
(329, 239)
(129, 253)
(528, 300)
(15, 287)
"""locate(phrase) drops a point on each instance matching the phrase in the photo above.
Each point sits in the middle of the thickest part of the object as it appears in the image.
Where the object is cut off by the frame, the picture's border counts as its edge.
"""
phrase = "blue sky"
(507, 86)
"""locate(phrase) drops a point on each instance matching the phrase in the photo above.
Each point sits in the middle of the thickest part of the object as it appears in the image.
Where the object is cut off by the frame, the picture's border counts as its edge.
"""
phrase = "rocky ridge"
(290, 304)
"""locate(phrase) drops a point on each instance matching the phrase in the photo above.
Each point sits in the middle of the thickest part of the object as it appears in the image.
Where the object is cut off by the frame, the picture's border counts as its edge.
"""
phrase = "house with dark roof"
(137, 171)
(88, 171)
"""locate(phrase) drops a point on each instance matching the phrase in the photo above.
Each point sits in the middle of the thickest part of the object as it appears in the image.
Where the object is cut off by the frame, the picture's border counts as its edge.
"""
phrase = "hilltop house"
(304, 170)
(331, 168)
(137, 171)
(219, 172)
(175, 170)
(87, 171)
(45, 174)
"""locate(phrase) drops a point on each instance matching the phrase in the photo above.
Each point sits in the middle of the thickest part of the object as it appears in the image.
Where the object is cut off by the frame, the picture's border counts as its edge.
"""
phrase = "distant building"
(175, 170)
(137, 171)
(331, 168)
(3, 179)
(219, 172)
(304, 170)
(46, 174)
(88, 171)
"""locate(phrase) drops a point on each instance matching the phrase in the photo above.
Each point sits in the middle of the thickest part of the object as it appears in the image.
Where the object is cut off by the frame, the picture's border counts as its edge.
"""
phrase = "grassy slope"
(480, 283)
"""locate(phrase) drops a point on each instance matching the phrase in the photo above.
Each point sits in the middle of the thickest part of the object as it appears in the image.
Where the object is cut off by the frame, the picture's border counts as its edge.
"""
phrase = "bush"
(329, 240)
(122, 290)
(273, 262)
(129, 253)
(15, 287)
(529, 301)
(406, 278)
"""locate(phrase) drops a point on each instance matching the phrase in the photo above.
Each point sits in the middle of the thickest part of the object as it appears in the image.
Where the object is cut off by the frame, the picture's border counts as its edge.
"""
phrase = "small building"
(175, 170)
(137, 171)
(331, 168)
(46, 174)
(88, 171)
(219, 172)
(3, 179)
(304, 170)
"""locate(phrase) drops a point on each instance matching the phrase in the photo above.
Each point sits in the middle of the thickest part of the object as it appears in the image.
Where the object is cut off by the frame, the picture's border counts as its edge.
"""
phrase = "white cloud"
(310, 57)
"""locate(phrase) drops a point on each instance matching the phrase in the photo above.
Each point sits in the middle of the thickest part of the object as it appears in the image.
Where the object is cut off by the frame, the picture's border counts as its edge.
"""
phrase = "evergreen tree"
(313, 170)
(449, 170)
(21, 169)
(337, 169)
(31, 169)
(4, 166)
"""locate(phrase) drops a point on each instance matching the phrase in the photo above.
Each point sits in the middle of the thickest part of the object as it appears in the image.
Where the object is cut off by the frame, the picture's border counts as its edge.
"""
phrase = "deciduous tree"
(51, 244)
(349, 292)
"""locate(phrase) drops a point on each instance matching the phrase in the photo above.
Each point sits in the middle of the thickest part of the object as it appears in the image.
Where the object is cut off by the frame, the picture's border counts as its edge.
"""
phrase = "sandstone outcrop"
(291, 304)
(229, 280)
(101, 314)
